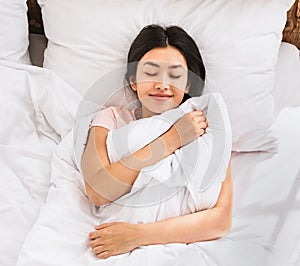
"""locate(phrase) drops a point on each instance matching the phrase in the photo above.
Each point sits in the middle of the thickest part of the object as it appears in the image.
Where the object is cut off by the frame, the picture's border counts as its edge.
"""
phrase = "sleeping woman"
(160, 79)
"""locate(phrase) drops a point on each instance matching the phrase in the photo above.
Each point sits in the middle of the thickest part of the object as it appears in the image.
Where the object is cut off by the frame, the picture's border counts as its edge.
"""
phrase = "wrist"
(146, 234)
(172, 140)
(150, 234)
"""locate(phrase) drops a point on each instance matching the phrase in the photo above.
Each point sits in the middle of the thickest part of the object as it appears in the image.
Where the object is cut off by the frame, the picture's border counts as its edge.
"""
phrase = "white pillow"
(287, 85)
(239, 41)
(14, 31)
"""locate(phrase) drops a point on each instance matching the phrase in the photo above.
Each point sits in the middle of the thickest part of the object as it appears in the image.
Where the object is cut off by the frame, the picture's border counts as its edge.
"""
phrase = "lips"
(161, 96)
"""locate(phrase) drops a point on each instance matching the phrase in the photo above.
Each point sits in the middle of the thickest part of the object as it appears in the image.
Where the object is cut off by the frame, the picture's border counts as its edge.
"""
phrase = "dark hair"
(155, 36)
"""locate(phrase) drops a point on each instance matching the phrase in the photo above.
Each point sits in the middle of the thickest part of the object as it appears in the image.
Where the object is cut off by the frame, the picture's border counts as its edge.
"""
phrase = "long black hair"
(155, 36)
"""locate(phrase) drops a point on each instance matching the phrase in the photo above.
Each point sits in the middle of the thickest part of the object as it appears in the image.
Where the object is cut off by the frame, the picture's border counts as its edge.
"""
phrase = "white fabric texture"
(14, 31)
(67, 235)
(266, 196)
(195, 167)
(37, 109)
(239, 42)
(287, 83)
(260, 235)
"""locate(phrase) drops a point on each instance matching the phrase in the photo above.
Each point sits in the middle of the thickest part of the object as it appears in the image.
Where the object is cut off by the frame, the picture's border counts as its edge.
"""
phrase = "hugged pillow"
(238, 40)
(287, 85)
(14, 31)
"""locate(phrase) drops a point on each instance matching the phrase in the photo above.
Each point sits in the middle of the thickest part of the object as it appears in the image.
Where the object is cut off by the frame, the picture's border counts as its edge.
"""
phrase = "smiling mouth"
(161, 97)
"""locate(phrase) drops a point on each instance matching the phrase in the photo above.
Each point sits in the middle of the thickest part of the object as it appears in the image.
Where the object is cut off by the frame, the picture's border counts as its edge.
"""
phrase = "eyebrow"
(151, 64)
(156, 65)
(176, 66)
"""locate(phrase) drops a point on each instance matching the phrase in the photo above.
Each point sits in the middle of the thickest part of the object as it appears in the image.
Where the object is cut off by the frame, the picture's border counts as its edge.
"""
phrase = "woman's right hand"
(190, 126)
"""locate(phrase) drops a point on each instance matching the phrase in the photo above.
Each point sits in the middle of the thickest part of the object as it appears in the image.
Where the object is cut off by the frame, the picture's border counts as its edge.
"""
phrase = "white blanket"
(191, 177)
(37, 109)
(59, 236)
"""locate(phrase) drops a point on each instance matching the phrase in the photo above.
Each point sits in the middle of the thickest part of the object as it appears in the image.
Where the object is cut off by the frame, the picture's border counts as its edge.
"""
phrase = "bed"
(39, 106)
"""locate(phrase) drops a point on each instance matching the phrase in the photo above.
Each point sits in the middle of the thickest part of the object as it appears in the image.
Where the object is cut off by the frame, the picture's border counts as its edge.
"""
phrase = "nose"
(162, 86)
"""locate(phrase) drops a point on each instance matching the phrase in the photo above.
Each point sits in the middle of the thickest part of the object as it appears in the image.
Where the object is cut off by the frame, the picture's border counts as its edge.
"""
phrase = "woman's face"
(161, 80)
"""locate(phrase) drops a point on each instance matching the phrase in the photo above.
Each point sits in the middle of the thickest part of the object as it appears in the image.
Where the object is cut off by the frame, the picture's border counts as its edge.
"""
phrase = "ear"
(132, 83)
(187, 88)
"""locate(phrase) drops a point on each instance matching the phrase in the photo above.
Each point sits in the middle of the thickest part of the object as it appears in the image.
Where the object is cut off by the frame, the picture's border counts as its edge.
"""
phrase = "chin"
(163, 109)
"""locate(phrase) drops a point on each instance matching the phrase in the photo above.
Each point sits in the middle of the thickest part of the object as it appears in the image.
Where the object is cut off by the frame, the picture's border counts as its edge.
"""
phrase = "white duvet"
(67, 217)
(38, 110)
(31, 101)
(184, 182)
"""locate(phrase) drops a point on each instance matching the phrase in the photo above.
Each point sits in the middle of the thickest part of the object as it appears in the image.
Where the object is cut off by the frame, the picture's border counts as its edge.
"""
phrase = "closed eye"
(150, 74)
(175, 77)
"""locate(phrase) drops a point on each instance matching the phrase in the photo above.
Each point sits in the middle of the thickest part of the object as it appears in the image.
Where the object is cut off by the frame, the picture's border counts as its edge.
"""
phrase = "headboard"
(35, 21)
(291, 33)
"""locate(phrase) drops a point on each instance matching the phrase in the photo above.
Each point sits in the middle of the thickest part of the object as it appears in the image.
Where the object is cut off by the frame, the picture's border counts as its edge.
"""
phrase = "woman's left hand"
(115, 238)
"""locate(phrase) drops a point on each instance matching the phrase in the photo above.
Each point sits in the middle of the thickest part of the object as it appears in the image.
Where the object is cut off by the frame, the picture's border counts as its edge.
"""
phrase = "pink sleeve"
(105, 118)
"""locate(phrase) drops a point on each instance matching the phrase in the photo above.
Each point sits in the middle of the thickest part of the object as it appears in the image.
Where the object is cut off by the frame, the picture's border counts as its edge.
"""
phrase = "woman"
(161, 79)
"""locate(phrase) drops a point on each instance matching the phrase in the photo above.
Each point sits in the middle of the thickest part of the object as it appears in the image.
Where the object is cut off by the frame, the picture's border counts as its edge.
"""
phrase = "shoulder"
(112, 117)
(115, 112)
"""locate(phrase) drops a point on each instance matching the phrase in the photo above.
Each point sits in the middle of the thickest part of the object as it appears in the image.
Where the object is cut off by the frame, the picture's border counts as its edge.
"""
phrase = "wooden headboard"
(34, 15)
(291, 33)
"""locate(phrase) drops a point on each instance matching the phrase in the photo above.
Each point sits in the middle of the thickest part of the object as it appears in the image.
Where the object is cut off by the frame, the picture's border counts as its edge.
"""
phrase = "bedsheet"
(267, 194)
(265, 223)
(27, 141)
(38, 110)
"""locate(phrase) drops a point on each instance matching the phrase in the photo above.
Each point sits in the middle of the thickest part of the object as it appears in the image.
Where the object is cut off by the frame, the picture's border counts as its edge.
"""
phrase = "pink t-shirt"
(113, 117)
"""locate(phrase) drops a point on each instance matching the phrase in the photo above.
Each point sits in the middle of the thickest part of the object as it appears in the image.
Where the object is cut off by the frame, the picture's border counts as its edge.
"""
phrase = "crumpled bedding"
(67, 217)
(38, 110)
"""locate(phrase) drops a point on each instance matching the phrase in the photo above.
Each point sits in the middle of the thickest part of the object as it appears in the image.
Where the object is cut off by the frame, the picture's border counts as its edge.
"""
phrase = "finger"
(96, 242)
(198, 119)
(201, 132)
(197, 112)
(203, 125)
(94, 235)
(198, 116)
(104, 255)
(99, 249)
(203, 118)
(101, 226)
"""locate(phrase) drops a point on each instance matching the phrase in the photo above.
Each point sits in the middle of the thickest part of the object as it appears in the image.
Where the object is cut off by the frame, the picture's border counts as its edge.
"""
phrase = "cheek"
(143, 88)
(179, 96)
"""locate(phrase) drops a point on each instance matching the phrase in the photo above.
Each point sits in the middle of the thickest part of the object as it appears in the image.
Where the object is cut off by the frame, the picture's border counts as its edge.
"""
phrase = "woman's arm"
(106, 182)
(200, 226)
(116, 238)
